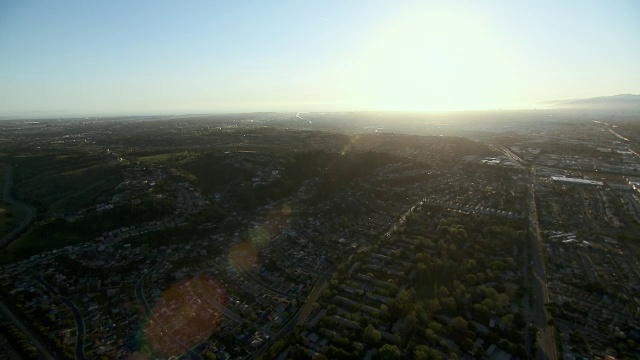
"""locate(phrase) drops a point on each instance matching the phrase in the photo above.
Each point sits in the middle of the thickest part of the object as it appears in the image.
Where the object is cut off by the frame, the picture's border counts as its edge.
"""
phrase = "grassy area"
(2, 171)
(183, 156)
(7, 219)
(55, 184)
(7, 215)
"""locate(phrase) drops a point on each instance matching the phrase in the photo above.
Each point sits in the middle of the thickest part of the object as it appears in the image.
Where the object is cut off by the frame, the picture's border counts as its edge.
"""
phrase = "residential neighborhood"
(225, 243)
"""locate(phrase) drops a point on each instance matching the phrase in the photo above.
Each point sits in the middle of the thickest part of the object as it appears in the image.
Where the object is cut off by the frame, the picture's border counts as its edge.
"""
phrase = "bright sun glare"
(432, 61)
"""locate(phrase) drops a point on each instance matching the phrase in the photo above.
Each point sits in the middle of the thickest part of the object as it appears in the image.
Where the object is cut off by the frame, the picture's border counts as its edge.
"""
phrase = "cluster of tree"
(18, 340)
(60, 232)
(40, 326)
(451, 268)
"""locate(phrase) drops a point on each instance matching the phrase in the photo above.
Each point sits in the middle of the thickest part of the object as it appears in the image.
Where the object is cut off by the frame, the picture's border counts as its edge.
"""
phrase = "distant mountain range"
(616, 102)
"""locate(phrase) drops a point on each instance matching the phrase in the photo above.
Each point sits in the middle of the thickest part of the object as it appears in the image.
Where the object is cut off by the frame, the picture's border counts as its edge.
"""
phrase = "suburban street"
(149, 313)
(213, 301)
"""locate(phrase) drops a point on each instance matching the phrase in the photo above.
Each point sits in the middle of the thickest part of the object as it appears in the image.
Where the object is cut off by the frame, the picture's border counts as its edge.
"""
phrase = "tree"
(459, 324)
(467, 344)
(443, 292)
(430, 335)
(371, 336)
(503, 301)
(449, 305)
(389, 352)
(422, 271)
(471, 279)
(432, 306)
(471, 264)
(423, 352)
(277, 348)
(508, 320)
(405, 301)
(210, 356)
(363, 321)
(435, 326)
(337, 353)
(481, 311)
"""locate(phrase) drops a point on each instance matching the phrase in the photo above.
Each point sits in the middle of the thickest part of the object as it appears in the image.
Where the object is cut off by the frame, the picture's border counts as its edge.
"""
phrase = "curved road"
(28, 211)
(80, 327)
(250, 276)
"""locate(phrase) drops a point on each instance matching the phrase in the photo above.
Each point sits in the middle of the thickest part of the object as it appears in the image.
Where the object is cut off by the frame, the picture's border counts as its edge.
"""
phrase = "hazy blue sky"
(147, 57)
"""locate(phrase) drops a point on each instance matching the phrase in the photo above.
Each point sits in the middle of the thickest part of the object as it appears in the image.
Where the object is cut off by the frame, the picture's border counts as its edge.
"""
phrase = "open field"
(167, 157)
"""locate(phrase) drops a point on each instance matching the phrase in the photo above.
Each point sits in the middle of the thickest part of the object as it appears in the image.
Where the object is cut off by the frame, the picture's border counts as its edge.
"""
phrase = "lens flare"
(353, 141)
(243, 256)
(186, 314)
(259, 237)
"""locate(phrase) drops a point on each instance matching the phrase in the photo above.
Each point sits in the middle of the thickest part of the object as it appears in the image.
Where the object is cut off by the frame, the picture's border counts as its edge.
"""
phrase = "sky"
(98, 58)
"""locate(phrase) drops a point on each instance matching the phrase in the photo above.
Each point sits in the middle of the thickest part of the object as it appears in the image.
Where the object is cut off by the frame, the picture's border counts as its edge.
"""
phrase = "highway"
(546, 348)
(300, 316)
(315, 293)
(25, 327)
(513, 157)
